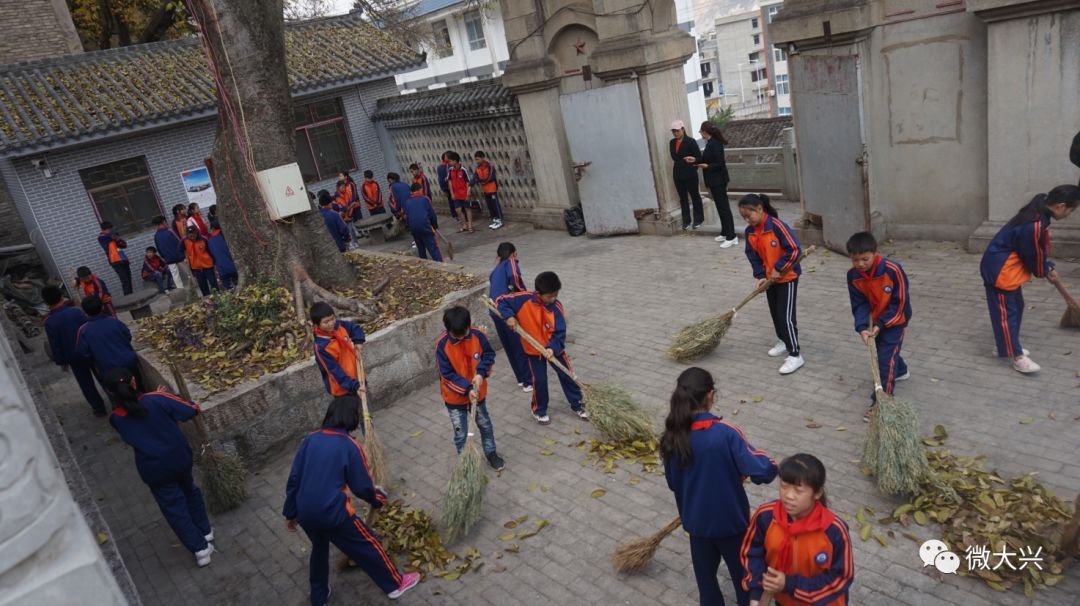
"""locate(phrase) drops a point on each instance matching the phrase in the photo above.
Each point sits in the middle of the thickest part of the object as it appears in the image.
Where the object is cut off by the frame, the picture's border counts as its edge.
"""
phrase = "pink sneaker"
(408, 581)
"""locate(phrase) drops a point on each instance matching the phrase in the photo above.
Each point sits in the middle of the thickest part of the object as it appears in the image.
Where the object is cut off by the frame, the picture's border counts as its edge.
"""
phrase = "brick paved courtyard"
(625, 297)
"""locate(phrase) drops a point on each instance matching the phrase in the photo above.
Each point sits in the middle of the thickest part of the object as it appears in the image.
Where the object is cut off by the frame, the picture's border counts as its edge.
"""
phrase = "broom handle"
(182, 388)
(871, 345)
(766, 599)
(361, 376)
(536, 344)
(1065, 294)
(760, 289)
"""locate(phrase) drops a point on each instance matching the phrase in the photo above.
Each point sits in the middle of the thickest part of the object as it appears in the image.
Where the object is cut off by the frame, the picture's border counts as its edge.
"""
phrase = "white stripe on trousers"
(790, 308)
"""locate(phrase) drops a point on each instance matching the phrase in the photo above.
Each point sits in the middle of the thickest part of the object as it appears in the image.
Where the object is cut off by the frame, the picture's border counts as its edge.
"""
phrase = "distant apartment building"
(692, 71)
(466, 42)
(712, 87)
(752, 73)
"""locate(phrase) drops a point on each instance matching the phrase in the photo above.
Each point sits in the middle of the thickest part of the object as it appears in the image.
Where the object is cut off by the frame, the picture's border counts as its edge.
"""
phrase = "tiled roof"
(56, 102)
(455, 103)
(761, 132)
(426, 7)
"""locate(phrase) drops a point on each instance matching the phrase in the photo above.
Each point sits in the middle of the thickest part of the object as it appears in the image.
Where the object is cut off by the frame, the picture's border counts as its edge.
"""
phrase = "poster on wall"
(198, 187)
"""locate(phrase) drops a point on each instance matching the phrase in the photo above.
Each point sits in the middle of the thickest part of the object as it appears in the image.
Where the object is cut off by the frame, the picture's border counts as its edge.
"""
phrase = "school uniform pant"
(229, 280)
(688, 188)
(494, 208)
(781, 298)
(890, 363)
(123, 271)
(427, 244)
(459, 418)
(723, 210)
(356, 541)
(163, 279)
(181, 502)
(207, 279)
(538, 373)
(84, 376)
(453, 207)
(511, 343)
(1006, 313)
(706, 554)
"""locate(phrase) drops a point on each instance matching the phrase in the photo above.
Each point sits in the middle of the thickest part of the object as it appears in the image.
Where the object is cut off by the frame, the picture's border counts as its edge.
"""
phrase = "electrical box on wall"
(283, 187)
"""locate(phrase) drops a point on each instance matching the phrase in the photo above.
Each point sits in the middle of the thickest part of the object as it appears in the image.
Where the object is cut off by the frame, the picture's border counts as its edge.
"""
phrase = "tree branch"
(159, 23)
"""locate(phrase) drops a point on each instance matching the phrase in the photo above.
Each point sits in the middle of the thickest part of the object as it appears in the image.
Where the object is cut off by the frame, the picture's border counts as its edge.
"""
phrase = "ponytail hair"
(505, 250)
(804, 470)
(758, 201)
(122, 394)
(1067, 194)
(692, 388)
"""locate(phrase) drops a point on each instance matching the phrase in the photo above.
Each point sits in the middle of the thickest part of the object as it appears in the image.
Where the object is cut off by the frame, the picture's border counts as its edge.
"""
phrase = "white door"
(605, 127)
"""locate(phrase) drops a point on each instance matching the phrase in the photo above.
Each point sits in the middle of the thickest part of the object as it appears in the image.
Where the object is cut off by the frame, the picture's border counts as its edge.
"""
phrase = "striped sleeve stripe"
(178, 399)
(783, 229)
(840, 582)
(745, 441)
(748, 538)
(1040, 261)
(901, 293)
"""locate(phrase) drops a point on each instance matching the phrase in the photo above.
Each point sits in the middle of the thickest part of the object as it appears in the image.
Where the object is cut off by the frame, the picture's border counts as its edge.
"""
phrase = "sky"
(341, 7)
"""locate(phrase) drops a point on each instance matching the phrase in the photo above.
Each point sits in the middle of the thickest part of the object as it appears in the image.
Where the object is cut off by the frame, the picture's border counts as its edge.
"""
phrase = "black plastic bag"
(575, 221)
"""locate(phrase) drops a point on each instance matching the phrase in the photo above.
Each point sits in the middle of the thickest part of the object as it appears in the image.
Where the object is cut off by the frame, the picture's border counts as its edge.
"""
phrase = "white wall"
(734, 42)
(452, 69)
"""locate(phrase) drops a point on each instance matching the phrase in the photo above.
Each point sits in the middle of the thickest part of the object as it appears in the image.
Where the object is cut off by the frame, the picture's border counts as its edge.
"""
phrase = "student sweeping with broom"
(797, 550)
(772, 249)
(540, 314)
(1020, 250)
(706, 461)
(505, 279)
(328, 465)
(337, 345)
(878, 289)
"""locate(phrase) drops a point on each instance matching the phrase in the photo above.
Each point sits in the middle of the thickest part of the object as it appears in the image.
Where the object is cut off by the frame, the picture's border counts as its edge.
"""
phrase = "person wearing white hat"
(686, 155)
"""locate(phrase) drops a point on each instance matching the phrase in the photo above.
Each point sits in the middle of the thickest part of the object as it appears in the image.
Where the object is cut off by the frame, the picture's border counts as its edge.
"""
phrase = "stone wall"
(36, 29)
(259, 417)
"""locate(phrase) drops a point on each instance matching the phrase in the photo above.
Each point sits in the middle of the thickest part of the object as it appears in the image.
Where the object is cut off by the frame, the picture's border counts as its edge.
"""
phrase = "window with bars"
(122, 194)
(322, 140)
(782, 84)
(474, 28)
(441, 35)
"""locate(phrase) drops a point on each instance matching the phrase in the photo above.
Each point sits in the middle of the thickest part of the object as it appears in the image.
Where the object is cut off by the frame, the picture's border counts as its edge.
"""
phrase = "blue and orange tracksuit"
(459, 361)
(505, 279)
(95, 287)
(712, 502)
(879, 297)
(442, 173)
(399, 194)
(164, 460)
(772, 250)
(335, 354)
(328, 465)
(423, 222)
(371, 194)
(546, 324)
(169, 246)
(106, 343)
(425, 184)
(337, 228)
(156, 270)
(62, 329)
(201, 264)
(114, 250)
(484, 175)
(223, 259)
(179, 226)
(821, 569)
(1016, 253)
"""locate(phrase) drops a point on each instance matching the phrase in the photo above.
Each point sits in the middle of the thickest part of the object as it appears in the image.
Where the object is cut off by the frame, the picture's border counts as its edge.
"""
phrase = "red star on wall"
(579, 46)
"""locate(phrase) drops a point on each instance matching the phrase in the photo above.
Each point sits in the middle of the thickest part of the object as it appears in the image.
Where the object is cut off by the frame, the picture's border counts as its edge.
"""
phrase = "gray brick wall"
(35, 29)
(60, 209)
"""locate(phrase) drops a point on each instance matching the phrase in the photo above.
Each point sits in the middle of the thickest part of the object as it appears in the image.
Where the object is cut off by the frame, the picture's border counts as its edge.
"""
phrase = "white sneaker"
(542, 419)
(995, 353)
(527, 388)
(729, 243)
(1025, 365)
(414, 244)
(202, 558)
(778, 350)
(495, 224)
(791, 364)
(583, 414)
(210, 537)
(719, 238)
(903, 377)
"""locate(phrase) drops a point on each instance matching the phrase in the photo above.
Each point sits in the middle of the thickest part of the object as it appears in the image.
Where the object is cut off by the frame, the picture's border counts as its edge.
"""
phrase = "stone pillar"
(47, 553)
(549, 152)
(1033, 54)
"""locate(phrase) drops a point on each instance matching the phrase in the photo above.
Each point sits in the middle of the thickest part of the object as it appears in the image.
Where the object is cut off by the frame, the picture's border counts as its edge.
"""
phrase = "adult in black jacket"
(686, 154)
(1074, 151)
(714, 168)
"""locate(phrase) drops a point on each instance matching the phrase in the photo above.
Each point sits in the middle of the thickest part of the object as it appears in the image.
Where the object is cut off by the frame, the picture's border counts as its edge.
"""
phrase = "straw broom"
(631, 557)
(612, 410)
(698, 339)
(223, 474)
(373, 446)
(464, 491)
(892, 450)
(1071, 317)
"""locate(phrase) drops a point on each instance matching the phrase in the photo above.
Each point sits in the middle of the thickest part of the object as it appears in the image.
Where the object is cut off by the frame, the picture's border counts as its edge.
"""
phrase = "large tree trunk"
(246, 45)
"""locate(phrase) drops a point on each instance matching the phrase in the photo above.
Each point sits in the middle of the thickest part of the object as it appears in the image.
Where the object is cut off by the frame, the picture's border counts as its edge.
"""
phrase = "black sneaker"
(496, 461)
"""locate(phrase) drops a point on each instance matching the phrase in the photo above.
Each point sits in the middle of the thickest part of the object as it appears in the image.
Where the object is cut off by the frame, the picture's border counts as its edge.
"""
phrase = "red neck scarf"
(342, 337)
(818, 519)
